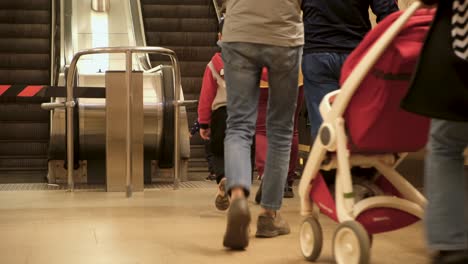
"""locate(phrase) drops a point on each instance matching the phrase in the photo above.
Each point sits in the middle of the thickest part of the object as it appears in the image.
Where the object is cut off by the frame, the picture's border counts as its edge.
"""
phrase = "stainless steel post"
(176, 75)
(70, 104)
(129, 161)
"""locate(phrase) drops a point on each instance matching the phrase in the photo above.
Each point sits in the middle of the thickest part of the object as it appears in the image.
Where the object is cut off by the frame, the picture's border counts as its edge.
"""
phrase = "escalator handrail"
(138, 29)
(217, 10)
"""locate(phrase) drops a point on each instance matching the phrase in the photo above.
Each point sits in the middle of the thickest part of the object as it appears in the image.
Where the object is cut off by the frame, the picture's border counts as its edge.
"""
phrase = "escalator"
(189, 27)
(25, 58)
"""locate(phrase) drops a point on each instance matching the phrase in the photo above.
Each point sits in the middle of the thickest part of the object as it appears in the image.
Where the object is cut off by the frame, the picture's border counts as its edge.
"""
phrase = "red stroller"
(364, 127)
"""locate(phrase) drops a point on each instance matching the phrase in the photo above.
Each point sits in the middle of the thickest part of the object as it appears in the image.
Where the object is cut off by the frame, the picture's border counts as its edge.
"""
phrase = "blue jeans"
(321, 75)
(446, 186)
(243, 63)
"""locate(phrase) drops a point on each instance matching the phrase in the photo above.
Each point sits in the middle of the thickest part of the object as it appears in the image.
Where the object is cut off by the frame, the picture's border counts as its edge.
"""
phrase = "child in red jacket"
(212, 119)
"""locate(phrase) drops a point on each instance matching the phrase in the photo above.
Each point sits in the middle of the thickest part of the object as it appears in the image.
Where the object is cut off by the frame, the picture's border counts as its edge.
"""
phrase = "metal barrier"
(70, 104)
(217, 10)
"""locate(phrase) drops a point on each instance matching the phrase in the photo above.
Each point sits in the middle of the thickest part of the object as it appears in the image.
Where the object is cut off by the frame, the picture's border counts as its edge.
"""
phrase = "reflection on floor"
(158, 226)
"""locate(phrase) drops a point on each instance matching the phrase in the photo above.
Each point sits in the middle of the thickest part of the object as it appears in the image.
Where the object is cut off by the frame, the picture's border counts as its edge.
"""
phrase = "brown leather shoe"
(288, 191)
(238, 221)
(222, 198)
(269, 226)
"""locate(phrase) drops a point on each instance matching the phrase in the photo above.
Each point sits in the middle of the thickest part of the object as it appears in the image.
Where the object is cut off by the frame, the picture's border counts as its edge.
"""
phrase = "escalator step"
(23, 147)
(198, 164)
(40, 77)
(20, 163)
(192, 85)
(24, 30)
(25, 61)
(32, 176)
(177, 2)
(176, 11)
(181, 38)
(197, 151)
(24, 131)
(25, 45)
(200, 54)
(23, 112)
(188, 68)
(24, 16)
(26, 4)
(181, 24)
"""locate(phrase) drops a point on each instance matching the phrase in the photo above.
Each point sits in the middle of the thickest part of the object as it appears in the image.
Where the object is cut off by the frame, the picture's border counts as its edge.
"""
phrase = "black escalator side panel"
(166, 156)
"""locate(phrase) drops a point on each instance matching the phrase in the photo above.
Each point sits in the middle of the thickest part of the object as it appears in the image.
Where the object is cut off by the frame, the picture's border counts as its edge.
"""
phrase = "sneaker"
(288, 191)
(222, 199)
(210, 177)
(238, 221)
(269, 226)
(451, 257)
(258, 195)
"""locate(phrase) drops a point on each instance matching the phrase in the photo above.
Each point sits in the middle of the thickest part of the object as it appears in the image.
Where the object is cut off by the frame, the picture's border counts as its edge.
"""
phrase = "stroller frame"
(332, 138)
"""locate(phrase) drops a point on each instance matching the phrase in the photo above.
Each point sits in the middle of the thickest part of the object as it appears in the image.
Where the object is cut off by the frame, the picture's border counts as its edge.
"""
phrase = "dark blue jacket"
(339, 25)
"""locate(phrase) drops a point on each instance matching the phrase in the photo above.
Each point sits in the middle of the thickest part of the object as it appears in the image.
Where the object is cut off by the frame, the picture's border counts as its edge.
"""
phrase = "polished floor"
(158, 226)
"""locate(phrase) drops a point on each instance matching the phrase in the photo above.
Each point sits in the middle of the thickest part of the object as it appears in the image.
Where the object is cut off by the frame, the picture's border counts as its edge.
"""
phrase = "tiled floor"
(157, 226)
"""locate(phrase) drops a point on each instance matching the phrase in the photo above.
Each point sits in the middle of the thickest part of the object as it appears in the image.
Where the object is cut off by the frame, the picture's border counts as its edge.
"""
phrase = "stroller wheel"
(351, 244)
(311, 238)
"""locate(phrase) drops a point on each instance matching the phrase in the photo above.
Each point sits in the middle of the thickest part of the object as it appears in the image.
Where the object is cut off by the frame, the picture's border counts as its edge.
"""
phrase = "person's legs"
(283, 69)
(446, 187)
(288, 192)
(218, 132)
(321, 75)
(260, 132)
(218, 128)
(242, 75)
(209, 158)
(261, 139)
(261, 143)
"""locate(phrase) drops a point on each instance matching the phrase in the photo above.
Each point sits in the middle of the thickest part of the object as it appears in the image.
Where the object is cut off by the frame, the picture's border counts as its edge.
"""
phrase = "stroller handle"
(368, 61)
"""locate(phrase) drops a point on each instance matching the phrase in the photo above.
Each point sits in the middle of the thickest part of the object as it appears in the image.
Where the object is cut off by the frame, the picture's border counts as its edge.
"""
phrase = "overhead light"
(100, 5)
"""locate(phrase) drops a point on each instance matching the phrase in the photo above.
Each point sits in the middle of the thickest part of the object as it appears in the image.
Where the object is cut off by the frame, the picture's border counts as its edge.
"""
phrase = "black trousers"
(218, 133)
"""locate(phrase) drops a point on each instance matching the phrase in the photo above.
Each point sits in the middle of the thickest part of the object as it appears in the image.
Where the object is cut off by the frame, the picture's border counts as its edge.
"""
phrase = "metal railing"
(70, 104)
(217, 10)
